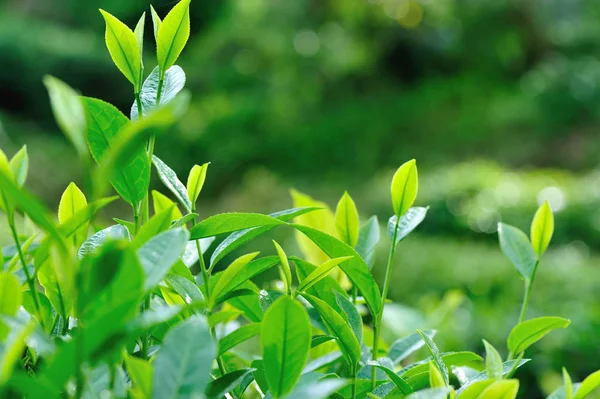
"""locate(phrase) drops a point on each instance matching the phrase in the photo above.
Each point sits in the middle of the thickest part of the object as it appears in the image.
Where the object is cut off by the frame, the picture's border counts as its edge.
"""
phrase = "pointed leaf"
(182, 366)
(542, 228)
(139, 37)
(19, 166)
(235, 275)
(346, 220)
(321, 272)
(507, 367)
(285, 341)
(324, 289)
(405, 185)
(173, 34)
(352, 315)
(93, 244)
(435, 353)
(493, 361)
(123, 48)
(155, 22)
(284, 268)
(528, 332)
(501, 389)
(170, 180)
(368, 238)
(221, 386)
(591, 383)
(173, 83)
(238, 336)
(404, 347)
(408, 222)
(516, 246)
(195, 181)
(229, 222)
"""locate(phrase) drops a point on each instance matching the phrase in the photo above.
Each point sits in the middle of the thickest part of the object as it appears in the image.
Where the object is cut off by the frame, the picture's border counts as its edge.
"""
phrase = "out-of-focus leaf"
(19, 166)
(590, 384)
(321, 272)
(493, 361)
(404, 347)
(218, 388)
(346, 220)
(195, 181)
(238, 336)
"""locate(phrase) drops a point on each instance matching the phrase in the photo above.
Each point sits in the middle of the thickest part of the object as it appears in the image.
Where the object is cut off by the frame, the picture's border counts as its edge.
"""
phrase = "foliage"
(134, 309)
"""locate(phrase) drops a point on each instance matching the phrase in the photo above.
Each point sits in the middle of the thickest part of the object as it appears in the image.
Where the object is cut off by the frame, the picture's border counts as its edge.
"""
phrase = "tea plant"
(119, 313)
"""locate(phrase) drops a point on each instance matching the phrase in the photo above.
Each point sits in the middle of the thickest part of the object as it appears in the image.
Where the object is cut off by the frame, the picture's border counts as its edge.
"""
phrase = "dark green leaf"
(228, 222)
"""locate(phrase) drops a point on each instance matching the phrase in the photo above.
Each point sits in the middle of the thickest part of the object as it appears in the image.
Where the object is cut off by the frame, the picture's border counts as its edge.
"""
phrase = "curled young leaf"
(19, 165)
(71, 201)
(284, 267)
(542, 228)
(195, 181)
(405, 185)
(346, 220)
(156, 22)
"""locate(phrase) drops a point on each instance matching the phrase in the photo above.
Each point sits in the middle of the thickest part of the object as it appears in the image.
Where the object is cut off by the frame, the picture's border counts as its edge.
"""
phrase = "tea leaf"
(352, 315)
(158, 255)
(338, 327)
(173, 34)
(229, 222)
(528, 332)
(139, 37)
(154, 226)
(405, 185)
(567, 384)
(241, 237)
(431, 393)
(219, 387)
(238, 336)
(493, 361)
(19, 165)
(71, 201)
(321, 272)
(474, 390)
(324, 289)
(161, 203)
(346, 220)
(285, 341)
(184, 220)
(123, 48)
(140, 372)
(368, 237)
(321, 389)
(105, 123)
(13, 347)
(184, 288)
(182, 366)
(591, 383)
(195, 181)
(408, 222)
(69, 113)
(435, 353)
(46, 312)
(356, 268)
(507, 367)
(469, 359)
(404, 347)
(155, 22)
(173, 83)
(234, 276)
(501, 389)
(542, 228)
(170, 180)
(515, 245)
(10, 292)
(93, 244)
(398, 381)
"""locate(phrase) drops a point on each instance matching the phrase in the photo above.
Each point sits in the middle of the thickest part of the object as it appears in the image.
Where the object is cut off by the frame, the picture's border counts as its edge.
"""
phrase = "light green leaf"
(567, 384)
(542, 228)
(221, 386)
(339, 328)
(19, 166)
(284, 268)
(285, 341)
(170, 180)
(156, 225)
(72, 201)
(507, 367)
(139, 37)
(238, 336)
(155, 22)
(229, 222)
(123, 48)
(325, 289)
(93, 244)
(474, 390)
(140, 372)
(404, 347)
(501, 389)
(352, 315)
(435, 377)
(493, 361)
(173, 34)
(195, 181)
(528, 332)
(173, 83)
(405, 185)
(400, 383)
(321, 272)
(69, 113)
(161, 202)
(158, 255)
(591, 383)
(408, 222)
(46, 310)
(356, 269)
(10, 292)
(240, 271)
(238, 238)
(435, 353)
(346, 220)
(516, 246)
(12, 350)
(105, 123)
(368, 237)
(431, 393)
(183, 364)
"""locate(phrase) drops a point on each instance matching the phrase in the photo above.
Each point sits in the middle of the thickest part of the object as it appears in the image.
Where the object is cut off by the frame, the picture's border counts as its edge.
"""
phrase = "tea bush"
(137, 310)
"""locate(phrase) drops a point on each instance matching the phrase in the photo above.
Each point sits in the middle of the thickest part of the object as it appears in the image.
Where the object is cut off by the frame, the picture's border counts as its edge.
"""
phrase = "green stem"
(386, 284)
(79, 379)
(354, 294)
(514, 367)
(354, 381)
(138, 102)
(30, 282)
(525, 304)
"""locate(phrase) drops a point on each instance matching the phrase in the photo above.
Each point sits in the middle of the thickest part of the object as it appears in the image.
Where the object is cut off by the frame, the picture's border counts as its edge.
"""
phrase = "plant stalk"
(386, 284)
(30, 282)
(525, 304)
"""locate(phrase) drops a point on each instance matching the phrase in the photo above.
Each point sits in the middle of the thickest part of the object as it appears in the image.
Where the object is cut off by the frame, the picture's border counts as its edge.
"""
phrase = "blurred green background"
(499, 102)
